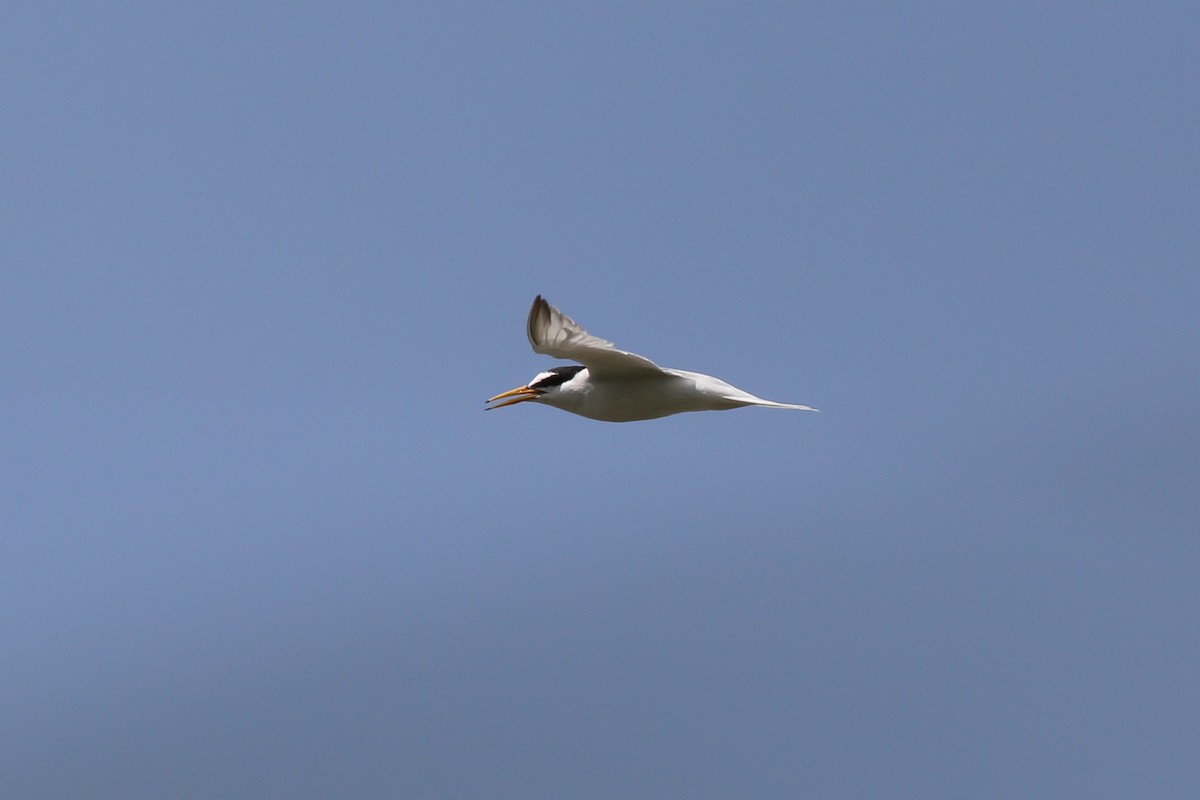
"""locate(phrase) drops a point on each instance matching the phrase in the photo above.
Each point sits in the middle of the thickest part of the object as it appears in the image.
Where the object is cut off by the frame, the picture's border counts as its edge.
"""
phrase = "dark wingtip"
(539, 308)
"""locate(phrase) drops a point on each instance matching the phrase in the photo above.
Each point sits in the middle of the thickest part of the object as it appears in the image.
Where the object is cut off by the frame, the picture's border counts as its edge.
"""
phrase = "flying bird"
(614, 385)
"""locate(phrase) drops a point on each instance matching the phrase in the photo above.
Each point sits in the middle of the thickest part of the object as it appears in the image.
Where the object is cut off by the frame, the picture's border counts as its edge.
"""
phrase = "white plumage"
(614, 385)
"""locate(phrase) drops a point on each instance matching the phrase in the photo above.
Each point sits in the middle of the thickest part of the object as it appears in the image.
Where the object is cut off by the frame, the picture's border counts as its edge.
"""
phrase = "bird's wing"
(553, 333)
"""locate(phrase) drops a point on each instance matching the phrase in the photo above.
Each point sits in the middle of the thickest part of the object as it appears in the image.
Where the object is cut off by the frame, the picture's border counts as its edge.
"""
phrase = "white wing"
(553, 333)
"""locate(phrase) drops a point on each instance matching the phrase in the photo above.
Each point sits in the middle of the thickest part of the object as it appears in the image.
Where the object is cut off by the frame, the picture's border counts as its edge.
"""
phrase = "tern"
(613, 385)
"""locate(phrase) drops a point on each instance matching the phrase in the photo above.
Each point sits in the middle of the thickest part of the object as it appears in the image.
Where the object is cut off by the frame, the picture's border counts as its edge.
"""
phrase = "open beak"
(518, 395)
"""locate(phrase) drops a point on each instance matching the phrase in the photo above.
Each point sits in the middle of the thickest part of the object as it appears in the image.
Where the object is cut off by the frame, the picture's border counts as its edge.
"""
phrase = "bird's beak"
(518, 395)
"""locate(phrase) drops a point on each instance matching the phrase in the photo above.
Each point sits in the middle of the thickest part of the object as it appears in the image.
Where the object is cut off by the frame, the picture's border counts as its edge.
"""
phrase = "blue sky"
(263, 265)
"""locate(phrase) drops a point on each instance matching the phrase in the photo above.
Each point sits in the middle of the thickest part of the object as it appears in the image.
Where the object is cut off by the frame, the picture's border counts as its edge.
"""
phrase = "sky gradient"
(263, 264)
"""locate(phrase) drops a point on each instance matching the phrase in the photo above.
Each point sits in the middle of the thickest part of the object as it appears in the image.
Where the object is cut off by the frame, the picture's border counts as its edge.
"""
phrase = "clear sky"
(263, 262)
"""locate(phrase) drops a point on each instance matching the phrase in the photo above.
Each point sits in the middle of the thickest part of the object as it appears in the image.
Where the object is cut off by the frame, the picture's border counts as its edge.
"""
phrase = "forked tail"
(758, 401)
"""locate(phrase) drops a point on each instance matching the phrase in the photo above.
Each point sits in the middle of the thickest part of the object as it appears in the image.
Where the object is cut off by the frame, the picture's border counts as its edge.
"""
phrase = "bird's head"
(546, 387)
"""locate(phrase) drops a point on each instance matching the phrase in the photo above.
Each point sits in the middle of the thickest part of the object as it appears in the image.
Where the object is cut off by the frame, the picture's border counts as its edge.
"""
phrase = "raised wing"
(553, 333)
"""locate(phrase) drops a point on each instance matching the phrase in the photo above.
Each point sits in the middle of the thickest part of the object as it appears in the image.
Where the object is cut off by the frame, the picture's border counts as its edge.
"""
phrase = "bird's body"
(613, 385)
(630, 399)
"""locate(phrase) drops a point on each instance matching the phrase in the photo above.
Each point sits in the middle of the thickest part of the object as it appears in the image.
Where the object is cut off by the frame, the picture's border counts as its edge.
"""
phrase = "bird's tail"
(758, 401)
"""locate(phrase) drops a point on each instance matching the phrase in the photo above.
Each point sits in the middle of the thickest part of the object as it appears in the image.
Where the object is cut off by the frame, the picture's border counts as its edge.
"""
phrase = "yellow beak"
(519, 395)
